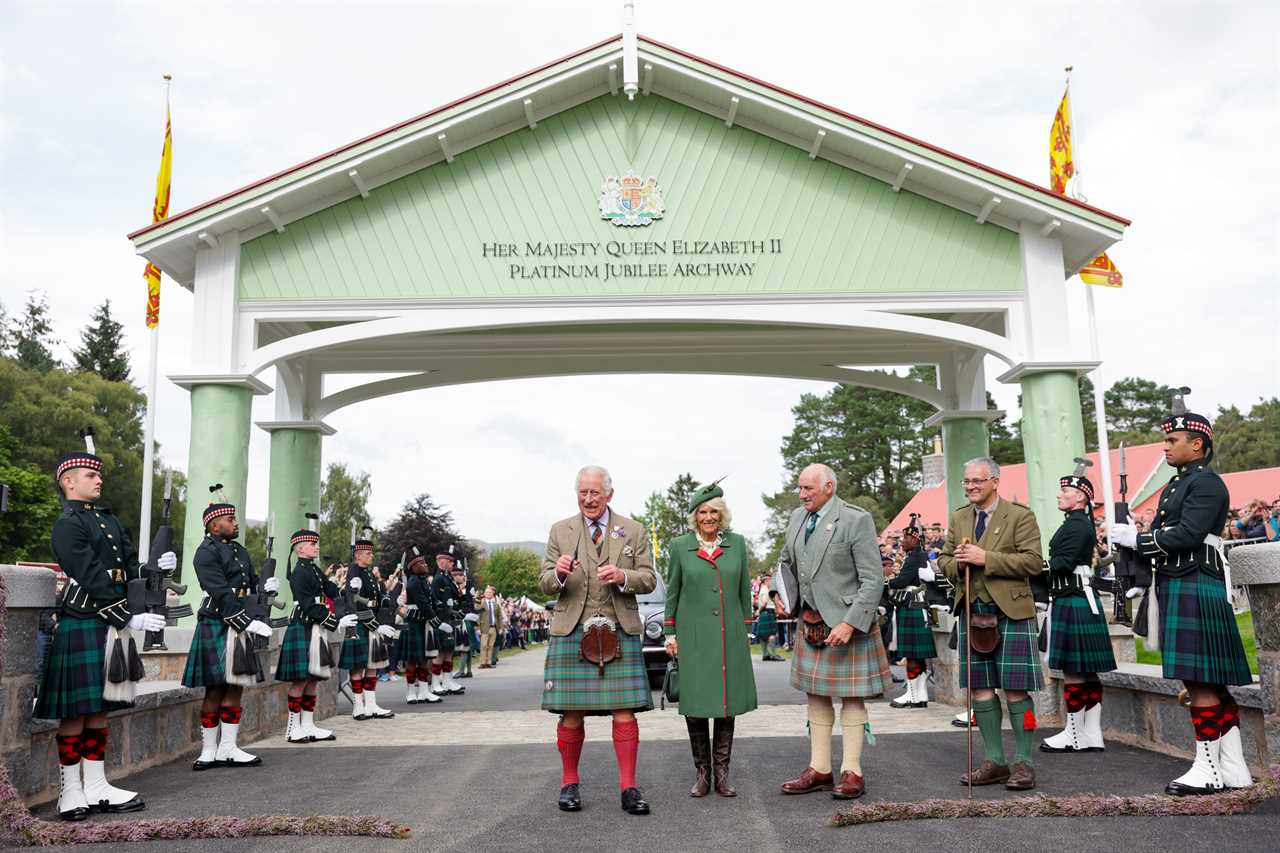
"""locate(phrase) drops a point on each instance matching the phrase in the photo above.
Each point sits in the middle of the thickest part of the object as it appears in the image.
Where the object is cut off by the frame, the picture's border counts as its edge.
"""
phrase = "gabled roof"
(1243, 486)
(449, 130)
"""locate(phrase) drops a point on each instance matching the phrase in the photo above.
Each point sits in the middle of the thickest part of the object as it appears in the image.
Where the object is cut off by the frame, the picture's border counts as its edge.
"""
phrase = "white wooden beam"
(648, 79)
(613, 79)
(274, 218)
(991, 205)
(902, 176)
(528, 113)
(733, 111)
(443, 139)
(817, 143)
(208, 239)
(1049, 227)
(358, 180)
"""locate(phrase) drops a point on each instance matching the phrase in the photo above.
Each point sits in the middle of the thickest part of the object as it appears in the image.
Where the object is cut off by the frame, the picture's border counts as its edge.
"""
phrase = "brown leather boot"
(987, 773)
(1022, 777)
(700, 743)
(808, 781)
(721, 750)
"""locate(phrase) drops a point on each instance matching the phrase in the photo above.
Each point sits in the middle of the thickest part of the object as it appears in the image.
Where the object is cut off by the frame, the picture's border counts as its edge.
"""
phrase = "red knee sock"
(411, 674)
(308, 701)
(229, 714)
(209, 719)
(357, 686)
(1206, 721)
(626, 743)
(436, 669)
(1229, 718)
(68, 749)
(371, 683)
(93, 744)
(1075, 696)
(1092, 694)
(569, 742)
(915, 669)
(295, 704)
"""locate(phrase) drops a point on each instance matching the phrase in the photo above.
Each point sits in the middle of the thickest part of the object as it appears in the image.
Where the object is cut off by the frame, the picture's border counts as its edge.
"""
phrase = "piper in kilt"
(1199, 641)
(914, 636)
(831, 551)
(597, 562)
(98, 557)
(1079, 642)
(1002, 557)
(222, 658)
(366, 647)
(305, 657)
(447, 623)
(418, 637)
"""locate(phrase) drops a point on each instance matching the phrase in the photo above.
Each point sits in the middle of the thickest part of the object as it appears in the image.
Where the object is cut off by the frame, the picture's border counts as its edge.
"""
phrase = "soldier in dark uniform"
(225, 572)
(915, 637)
(418, 638)
(1199, 641)
(466, 606)
(364, 651)
(305, 658)
(444, 597)
(98, 558)
(1079, 641)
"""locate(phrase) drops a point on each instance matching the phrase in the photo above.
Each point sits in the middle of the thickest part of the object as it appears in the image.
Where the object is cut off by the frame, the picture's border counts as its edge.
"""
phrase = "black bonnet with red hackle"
(88, 458)
(1180, 420)
(1078, 480)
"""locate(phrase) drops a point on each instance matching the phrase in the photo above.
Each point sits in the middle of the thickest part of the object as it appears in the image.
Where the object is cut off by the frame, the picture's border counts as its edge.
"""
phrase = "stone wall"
(163, 724)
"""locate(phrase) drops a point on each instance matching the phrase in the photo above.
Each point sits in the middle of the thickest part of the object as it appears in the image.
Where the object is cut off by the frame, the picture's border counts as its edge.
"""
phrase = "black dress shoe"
(569, 799)
(103, 807)
(199, 765)
(633, 802)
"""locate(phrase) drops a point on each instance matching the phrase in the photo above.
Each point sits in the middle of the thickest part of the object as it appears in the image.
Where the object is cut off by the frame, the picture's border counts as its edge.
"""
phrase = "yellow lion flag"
(158, 212)
(1101, 271)
(1061, 166)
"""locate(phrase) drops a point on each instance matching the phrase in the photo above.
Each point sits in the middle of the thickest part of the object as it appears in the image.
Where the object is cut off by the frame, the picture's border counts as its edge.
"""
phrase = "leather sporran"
(599, 642)
(984, 632)
(815, 630)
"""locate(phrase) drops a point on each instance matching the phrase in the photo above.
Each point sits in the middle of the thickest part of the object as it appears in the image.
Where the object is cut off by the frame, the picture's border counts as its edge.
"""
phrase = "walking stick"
(968, 673)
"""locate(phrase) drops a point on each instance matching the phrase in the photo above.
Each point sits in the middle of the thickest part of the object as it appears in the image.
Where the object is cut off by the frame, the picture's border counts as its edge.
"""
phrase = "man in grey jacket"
(832, 554)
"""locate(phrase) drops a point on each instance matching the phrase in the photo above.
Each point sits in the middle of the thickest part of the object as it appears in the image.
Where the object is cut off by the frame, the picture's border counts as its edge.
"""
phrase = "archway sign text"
(608, 260)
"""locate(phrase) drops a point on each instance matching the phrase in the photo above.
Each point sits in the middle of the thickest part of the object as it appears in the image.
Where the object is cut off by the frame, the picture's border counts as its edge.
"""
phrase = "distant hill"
(487, 548)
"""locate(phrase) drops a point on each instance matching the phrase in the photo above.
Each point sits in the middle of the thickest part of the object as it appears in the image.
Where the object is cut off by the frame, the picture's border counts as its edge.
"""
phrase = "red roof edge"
(890, 131)
(362, 140)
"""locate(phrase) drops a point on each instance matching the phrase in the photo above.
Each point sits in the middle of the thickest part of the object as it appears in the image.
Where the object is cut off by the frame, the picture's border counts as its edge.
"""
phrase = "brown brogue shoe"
(809, 781)
(987, 773)
(1022, 777)
(851, 786)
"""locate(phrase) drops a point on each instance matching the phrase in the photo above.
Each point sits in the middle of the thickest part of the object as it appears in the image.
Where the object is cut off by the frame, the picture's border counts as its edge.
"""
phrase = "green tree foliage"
(6, 333)
(421, 522)
(1005, 441)
(102, 350)
(666, 512)
(25, 526)
(512, 572)
(1135, 408)
(344, 499)
(1245, 442)
(32, 335)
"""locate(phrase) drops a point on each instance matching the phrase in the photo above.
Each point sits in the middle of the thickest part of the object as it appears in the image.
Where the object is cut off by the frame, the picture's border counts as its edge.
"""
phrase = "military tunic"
(225, 572)
(1199, 638)
(418, 639)
(1079, 641)
(445, 598)
(98, 557)
(309, 623)
(355, 648)
(915, 637)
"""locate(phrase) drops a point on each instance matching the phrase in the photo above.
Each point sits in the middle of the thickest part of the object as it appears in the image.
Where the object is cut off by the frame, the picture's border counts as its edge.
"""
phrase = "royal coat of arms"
(631, 201)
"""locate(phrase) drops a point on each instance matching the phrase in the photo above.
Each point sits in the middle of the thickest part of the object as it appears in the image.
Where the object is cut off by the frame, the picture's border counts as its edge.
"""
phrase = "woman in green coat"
(707, 612)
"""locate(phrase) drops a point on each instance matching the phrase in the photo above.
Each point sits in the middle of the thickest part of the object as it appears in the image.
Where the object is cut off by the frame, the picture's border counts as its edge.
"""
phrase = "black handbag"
(671, 684)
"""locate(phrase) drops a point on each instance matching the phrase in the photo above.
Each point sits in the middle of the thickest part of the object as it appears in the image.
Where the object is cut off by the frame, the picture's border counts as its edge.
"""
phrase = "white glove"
(146, 622)
(271, 585)
(471, 617)
(387, 631)
(1125, 535)
(258, 628)
(446, 627)
(168, 561)
(355, 584)
(348, 621)
(882, 611)
(927, 575)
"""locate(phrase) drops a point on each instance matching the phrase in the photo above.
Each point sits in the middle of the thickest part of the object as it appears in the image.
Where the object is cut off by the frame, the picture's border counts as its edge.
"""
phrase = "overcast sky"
(1177, 109)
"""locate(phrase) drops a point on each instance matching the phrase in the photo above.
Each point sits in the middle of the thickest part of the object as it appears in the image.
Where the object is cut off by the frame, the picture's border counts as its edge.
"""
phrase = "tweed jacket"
(845, 579)
(626, 545)
(1014, 556)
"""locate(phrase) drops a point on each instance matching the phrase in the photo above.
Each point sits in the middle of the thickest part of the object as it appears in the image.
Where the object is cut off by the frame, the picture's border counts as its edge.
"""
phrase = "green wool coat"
(708, 608)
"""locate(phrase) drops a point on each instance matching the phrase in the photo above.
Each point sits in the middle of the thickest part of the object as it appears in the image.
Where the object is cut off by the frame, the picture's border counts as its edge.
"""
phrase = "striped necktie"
(597, 534)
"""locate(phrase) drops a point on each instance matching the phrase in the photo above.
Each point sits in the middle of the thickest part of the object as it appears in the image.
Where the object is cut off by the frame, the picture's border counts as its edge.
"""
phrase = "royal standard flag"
(1061, 166)
(158, 212)
(1101, 271)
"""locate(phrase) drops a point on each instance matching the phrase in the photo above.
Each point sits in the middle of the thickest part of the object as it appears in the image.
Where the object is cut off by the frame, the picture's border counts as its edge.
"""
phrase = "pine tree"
(32, 335)
(102, 349)
(6, 334)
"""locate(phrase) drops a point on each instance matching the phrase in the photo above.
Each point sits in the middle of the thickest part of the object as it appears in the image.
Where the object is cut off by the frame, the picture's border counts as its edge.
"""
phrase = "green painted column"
(1052, 437)
(218, 453)
(294, 491)
(962, 439)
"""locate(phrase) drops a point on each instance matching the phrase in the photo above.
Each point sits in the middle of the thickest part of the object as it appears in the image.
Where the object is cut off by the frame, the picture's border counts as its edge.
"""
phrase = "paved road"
(472, 795)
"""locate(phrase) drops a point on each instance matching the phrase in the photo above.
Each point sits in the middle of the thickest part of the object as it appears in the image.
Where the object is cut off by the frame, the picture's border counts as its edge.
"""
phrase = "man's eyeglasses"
(976, 482)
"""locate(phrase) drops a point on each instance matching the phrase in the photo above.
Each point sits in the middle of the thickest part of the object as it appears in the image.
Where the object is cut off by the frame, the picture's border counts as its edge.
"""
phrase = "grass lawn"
(1245, 623)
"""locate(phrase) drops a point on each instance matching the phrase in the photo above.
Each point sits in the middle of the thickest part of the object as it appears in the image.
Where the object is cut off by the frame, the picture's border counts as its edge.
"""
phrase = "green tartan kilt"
(295, 660)
(1078, 638)
(915, 637)
(766, 625)
(207, 658)
(859, 668)
(445, 641)
(1014, 664)
(74, 672)
(572, 684)
(1199, 638)
(417, 642)
(355, 650)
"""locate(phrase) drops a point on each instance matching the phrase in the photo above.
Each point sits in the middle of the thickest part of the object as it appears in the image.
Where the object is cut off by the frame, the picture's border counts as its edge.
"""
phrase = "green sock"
(1022, 735)
(987, 712)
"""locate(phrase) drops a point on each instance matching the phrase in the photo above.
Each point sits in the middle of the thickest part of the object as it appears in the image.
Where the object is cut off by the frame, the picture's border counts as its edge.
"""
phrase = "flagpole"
(149, 420)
